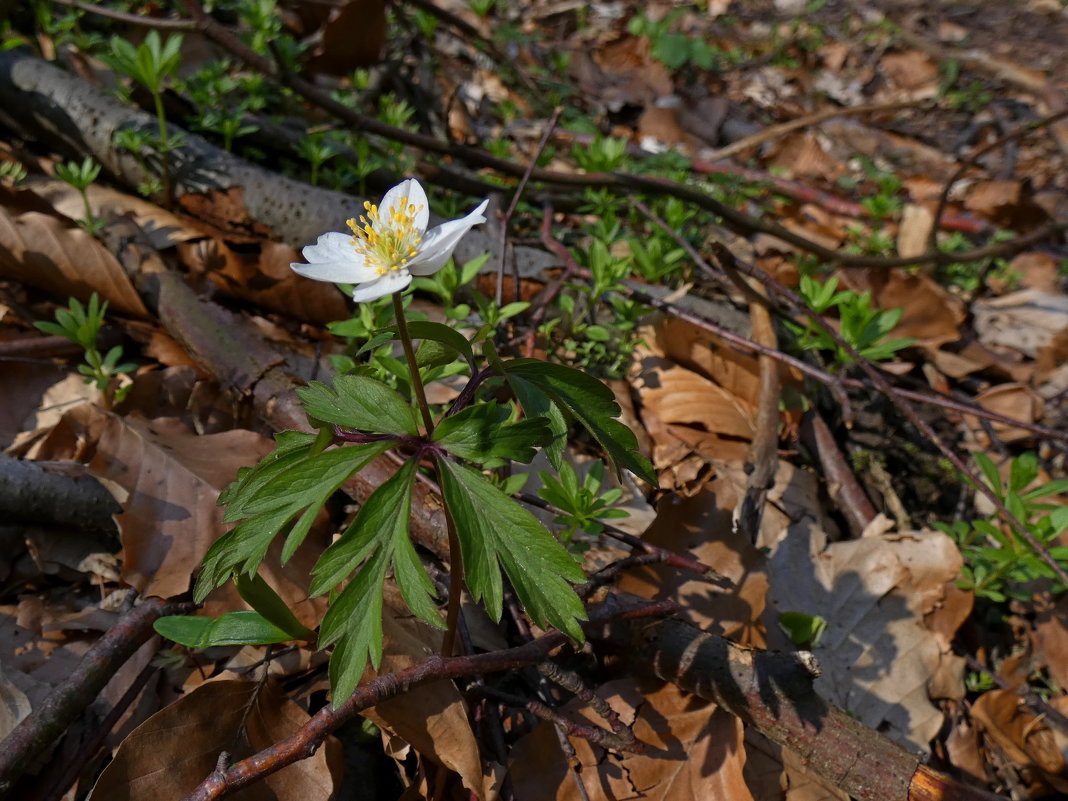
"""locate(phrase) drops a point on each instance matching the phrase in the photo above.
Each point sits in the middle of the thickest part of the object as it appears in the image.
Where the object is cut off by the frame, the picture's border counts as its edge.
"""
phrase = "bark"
(31, 494)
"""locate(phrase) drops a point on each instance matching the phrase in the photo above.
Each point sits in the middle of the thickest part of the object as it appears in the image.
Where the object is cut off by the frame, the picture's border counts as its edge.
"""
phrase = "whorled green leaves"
(547, 389)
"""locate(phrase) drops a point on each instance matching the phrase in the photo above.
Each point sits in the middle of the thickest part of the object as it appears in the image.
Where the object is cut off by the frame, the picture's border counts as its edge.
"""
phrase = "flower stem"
(456, 584)
(413, 368)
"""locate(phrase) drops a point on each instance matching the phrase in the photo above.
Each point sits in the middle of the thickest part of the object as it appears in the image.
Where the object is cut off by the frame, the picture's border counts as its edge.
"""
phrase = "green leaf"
(495, 532)
(804, 629)
(586, 399)
(361, 403)
(376, 539)
(266, 498)
(232, 628)
(258, 594)
(382, 518)
(482, 432)
(439, 332)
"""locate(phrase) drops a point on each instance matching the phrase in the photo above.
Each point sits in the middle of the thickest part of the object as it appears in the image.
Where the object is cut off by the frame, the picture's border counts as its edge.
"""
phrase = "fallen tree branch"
(31, 493)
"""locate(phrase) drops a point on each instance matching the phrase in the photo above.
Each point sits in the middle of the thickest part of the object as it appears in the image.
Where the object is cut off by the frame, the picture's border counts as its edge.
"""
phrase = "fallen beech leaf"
(991, 198)
(696, 752)
(701, 527)
(1021, 734)
(877, 656)
(913, 71)
(1017, 401)
(159, 226)
(258, 271)
(54, 254)
(930, 314)
(352, 37)
(168, 755)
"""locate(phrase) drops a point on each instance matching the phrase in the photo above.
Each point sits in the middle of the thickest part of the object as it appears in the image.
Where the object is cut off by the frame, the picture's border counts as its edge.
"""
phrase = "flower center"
(387, 244)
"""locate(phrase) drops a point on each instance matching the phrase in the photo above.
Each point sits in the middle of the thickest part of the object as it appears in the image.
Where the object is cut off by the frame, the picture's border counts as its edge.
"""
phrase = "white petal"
(332, 246)
(406, 193)
(386, 285)
(350, 270)
(440, 241)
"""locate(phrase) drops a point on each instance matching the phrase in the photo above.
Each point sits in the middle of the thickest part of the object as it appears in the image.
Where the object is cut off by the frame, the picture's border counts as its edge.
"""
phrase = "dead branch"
(31, 493)
(307, 740)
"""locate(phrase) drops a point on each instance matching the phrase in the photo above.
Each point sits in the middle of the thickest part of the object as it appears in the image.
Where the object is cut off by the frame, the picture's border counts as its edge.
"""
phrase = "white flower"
(388, 245)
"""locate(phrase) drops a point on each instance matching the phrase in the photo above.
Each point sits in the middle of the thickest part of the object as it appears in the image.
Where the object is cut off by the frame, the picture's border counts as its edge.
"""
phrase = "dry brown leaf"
(686, 344)
(801, 156)
(177, 748)
(172, 478)
(930, 314)
(991, 198)
(433, 718)
(1017, 401)
(1021, 734)
(877, 656)
(54, 254)
(912, 71)
(159, 226)
(258, 271)
(701, 527)
(697, 752)
(680, 396)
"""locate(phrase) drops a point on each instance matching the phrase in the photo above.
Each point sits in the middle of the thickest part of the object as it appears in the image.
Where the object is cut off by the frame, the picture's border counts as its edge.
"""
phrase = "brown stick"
(307, 740)
(41, 729)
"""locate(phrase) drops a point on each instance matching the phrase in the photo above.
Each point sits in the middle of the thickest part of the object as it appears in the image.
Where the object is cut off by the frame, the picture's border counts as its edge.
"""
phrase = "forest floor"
(816, 251)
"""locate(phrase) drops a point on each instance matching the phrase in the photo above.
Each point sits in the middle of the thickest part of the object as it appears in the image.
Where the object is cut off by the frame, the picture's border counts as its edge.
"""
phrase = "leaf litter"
(897, 626)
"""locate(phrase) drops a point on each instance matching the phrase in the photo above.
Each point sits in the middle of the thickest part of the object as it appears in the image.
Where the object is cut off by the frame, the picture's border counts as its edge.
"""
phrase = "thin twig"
(131, 19)
(783, 128)
(311, 735)
(506, 220)
(970, 162)
(618, 182)
(834, 382)
(48, 721)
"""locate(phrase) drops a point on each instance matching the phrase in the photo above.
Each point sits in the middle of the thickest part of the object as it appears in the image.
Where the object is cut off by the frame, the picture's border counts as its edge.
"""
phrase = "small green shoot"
(81, 324)
(80, 176)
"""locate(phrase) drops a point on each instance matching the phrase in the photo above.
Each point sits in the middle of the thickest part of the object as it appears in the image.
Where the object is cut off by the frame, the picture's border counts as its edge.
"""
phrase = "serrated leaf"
(270, 496)
(361, 403)
(482, 432)
(587, 400)
(232, 628)
(495, 532)
(376, 539)
(382, 518)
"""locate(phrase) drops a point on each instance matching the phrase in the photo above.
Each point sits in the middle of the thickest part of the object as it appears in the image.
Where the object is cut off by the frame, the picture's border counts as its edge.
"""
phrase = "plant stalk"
(413, 368)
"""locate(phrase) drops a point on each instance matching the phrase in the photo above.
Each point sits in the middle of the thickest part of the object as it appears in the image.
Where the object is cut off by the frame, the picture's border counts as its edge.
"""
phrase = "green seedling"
(582, 504)
(999, 564)
(81, 324)
(80, 176)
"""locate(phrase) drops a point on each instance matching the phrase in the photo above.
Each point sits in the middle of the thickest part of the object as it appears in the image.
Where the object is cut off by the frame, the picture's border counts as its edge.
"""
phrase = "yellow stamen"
(391, 244)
